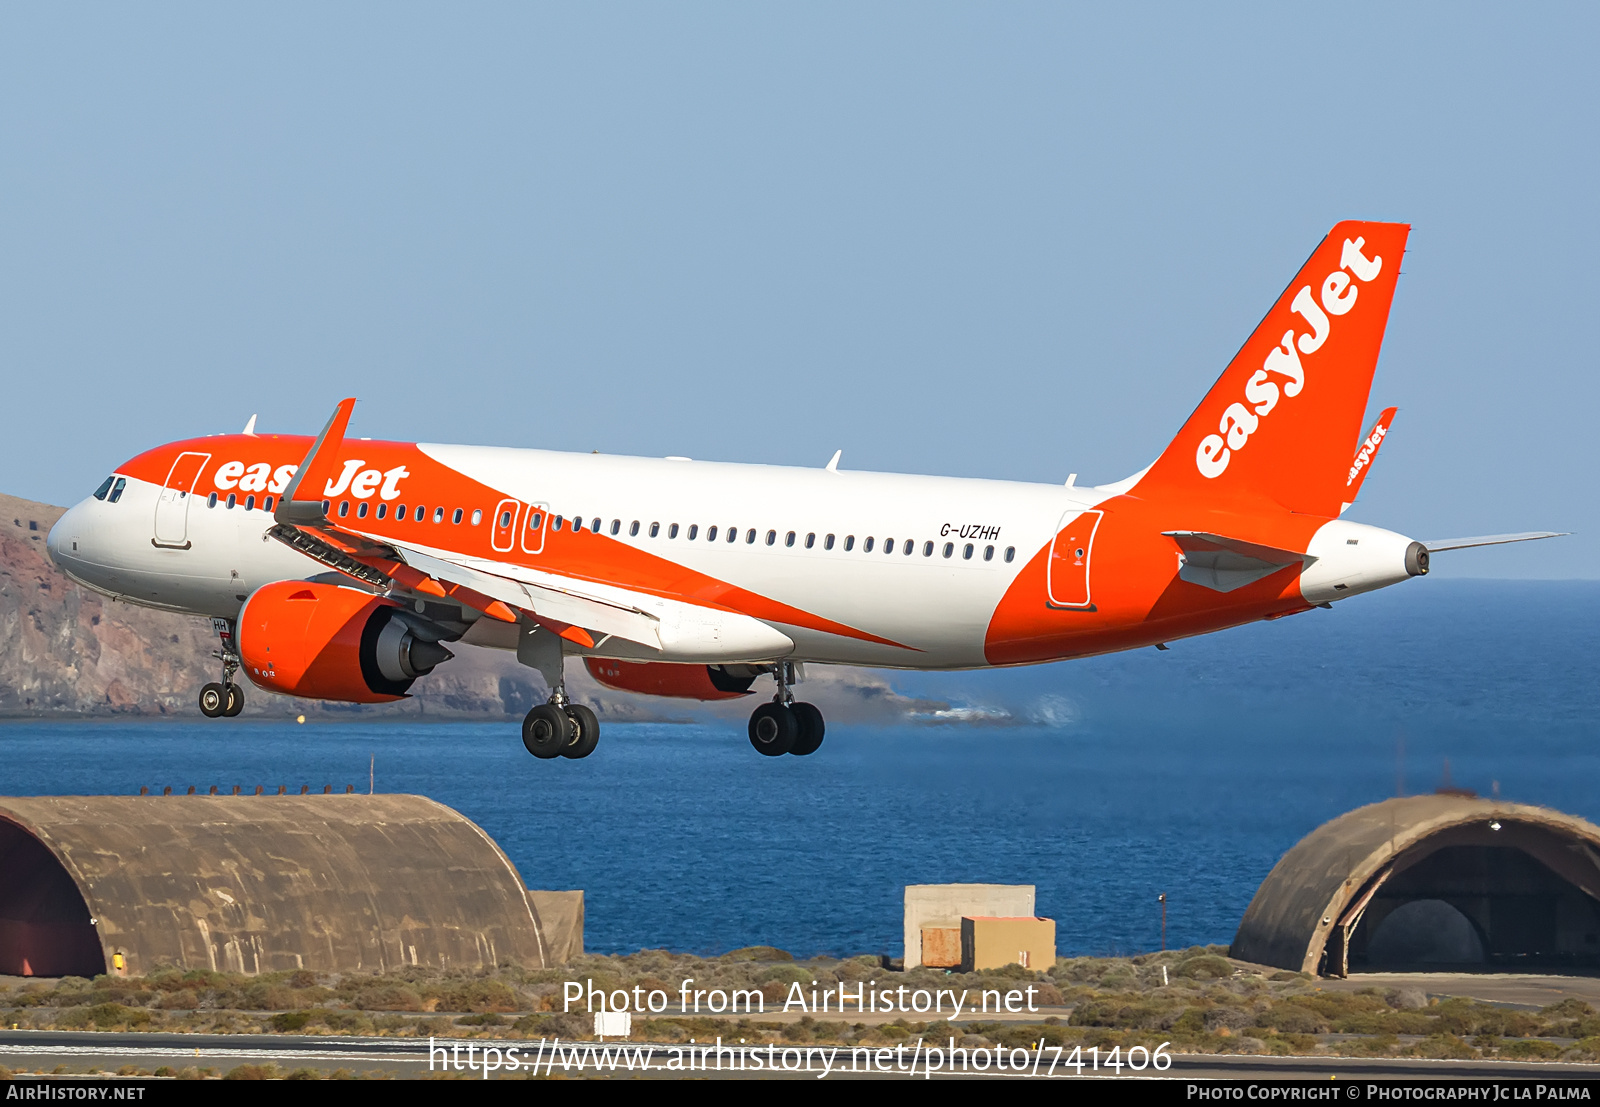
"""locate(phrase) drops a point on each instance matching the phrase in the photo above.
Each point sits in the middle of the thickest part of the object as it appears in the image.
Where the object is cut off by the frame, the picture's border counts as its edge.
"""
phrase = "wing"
(583, 612)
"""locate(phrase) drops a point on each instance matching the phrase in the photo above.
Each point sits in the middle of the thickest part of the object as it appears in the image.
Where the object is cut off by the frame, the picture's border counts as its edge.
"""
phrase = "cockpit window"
(100, 493)
(116, 489)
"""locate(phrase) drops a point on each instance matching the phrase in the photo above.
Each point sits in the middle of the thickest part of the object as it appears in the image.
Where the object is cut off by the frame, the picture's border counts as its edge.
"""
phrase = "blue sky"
(1011, 240)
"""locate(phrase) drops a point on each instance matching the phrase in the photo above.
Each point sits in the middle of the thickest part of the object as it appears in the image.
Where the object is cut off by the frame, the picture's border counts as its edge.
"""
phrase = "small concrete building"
(258, 883)
(1440, 882)
(993, 943)
(941, 907)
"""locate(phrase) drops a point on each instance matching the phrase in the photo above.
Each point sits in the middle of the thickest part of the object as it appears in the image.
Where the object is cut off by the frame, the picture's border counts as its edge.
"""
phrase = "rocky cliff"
(65, 650)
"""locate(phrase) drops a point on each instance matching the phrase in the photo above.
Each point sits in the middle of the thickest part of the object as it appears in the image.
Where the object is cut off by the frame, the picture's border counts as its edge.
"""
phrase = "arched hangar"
(256, 883)
(1431, 882)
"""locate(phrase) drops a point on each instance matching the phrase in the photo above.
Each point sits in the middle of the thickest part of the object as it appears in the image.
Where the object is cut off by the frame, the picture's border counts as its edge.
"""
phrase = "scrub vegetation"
(1197, 1000)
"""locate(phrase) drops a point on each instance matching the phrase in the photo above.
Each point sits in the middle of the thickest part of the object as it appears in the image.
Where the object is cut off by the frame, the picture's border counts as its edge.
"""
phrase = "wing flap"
(562, 605)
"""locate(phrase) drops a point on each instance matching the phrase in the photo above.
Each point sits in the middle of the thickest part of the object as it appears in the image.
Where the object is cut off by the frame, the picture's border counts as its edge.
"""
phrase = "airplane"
(339, 568)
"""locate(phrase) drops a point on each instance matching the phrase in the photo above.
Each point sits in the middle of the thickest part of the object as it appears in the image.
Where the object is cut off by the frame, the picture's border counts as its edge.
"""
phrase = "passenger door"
(1067, 578)
(172, 506)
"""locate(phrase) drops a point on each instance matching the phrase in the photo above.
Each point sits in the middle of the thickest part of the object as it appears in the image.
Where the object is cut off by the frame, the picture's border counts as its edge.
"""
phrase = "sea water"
(1103, 782)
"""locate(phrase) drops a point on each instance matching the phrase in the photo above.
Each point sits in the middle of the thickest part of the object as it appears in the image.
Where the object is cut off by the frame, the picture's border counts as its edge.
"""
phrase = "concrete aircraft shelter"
(1431, 882)
(258, 883)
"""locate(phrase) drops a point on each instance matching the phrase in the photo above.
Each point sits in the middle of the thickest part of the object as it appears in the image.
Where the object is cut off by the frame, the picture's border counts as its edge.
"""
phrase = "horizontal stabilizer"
(1439, 544)
(1223, 564)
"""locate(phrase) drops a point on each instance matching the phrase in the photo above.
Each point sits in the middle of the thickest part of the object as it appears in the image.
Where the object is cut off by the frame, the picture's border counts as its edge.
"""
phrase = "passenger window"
(772, 537)
(455, 518)
(1011, 552)
(438, 515)
(655, 529)
(849, 542)
(535, 520)
(966, 552)
(750, 536)
(789, 541)
(633, 530)
(888, 545)
(811, 540)
(505, 519)
(477, 515)
(949, 548)
(672, 531)
(694, 531)
(711, 534)
(988, 553)
(927, 549)
(866, 547)
(344, 507)
(361, 508)
(326, 505)
(232, 499)
(827, 543)
(556, 522)
(100, 493)
(400, 513)
(383, 509)
(211, 500)
(616, 526)
(266, 505)
(733, 534)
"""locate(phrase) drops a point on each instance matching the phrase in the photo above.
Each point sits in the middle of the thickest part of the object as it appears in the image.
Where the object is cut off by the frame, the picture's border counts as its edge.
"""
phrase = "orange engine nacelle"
(324, 642)
(666, 678)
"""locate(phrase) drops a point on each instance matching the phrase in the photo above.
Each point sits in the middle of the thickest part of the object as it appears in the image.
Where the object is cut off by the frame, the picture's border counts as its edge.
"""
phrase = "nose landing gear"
(226, 699)
(785, 725)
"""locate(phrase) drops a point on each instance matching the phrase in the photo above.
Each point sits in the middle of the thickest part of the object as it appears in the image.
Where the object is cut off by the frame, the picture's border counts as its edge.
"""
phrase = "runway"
(78, 1052)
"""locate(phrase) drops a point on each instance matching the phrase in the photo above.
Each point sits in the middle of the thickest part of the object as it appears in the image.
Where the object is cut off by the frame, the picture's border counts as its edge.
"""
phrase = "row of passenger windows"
(729, 535)
(401, 511)
(790, 539)
(233, 501)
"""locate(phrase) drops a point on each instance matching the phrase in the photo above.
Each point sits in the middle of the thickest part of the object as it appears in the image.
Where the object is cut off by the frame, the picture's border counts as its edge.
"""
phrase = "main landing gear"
(786, 725)
(560, 728)
(224, 700)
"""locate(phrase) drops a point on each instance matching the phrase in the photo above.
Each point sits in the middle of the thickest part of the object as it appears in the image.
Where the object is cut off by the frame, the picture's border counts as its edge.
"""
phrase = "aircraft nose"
(58, 542)
(52, 541)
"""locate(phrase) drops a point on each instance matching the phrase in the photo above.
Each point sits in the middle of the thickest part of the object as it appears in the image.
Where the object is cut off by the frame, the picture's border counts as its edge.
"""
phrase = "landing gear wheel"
(213, 700)
(586, 731)
(773, 729)
(235, 701)
(808, 721)
(546, 731)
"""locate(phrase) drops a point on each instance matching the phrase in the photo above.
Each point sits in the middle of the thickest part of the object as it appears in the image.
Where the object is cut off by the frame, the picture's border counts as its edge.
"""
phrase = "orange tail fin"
(1281, 422)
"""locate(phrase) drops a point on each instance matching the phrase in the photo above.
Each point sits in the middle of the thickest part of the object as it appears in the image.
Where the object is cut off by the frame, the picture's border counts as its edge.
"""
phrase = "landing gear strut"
(560, 728)
(227, 698)
(785, 725)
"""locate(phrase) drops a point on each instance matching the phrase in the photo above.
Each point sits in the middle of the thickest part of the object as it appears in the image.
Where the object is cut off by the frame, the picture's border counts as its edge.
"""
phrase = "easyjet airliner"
(339, 568)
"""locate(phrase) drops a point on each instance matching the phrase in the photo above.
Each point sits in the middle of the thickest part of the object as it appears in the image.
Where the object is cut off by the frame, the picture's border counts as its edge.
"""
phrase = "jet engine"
(666, 678)
(326, 642)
